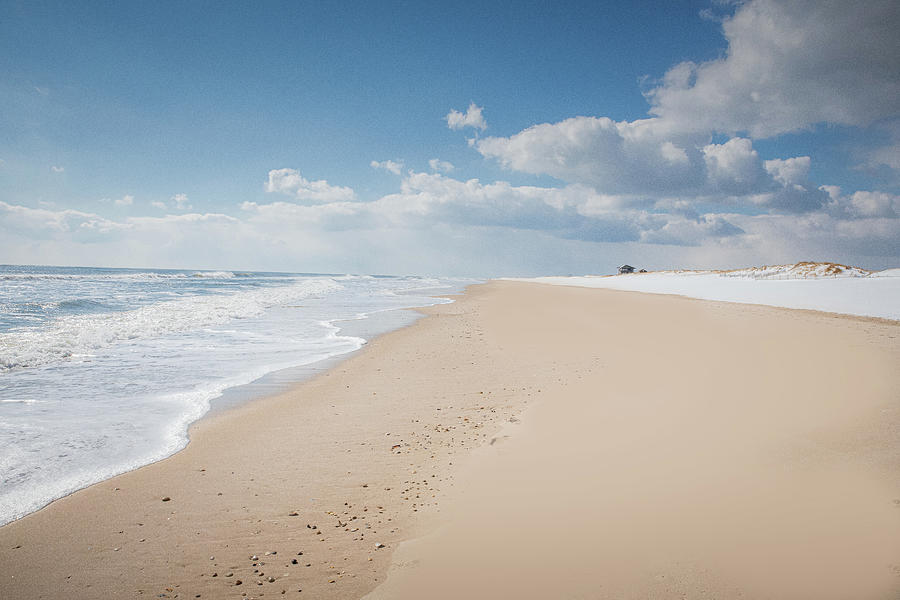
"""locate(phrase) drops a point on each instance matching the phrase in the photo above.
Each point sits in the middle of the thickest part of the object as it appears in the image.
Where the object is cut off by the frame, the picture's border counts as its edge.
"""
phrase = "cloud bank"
(454, 224)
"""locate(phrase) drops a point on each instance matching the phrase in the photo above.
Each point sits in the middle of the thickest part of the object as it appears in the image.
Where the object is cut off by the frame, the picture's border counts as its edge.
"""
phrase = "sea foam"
(81, 334)
(102, 371)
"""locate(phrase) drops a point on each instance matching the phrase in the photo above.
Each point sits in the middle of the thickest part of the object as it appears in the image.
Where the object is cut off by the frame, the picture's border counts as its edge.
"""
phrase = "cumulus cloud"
(455, 222)
(126, 200)
(887, 156)
(789, 65)
(862, 204)
(158, 204)
(821, 235)
(574, 212)
(886, 153)
(57, 169)
(181, 202)
(646, 158)
(789, 171)
(44, 223)
(473, 117)
(692, 232)
(388, 165)
(291, 183)
(440, 166)
(733, 167)
(615, 157)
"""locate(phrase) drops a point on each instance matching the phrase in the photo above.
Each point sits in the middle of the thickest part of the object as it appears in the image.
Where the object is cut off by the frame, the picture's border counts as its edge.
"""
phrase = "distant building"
(626, 269)
(642, 271)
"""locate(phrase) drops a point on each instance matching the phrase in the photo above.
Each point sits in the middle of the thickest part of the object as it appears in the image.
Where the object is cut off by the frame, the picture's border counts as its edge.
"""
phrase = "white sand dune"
(812, 286)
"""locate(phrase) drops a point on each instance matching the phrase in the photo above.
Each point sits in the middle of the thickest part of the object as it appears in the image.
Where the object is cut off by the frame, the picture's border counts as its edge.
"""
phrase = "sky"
(472, 139)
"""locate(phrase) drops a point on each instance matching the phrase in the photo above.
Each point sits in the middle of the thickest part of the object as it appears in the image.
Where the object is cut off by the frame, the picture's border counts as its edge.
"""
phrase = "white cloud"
(821, 236)
(183, 219)
(885, 154)
(473, 117)
(863, 204)
(435, 223)
(646, 158)
(126, 200)
(440, 166)
(291, 183)
(692, 232)
(790, 64)
(888, 156)
(875, 204)
(388, 165)
(57, 169)
(180, 201)
(574, 212)
(615, 157)
(42, 223)
(734, 167)
(158, 204)
(789, 171)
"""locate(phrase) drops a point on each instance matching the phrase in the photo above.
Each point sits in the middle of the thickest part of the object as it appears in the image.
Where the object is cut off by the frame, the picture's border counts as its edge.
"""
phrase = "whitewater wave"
(72, 335)
(137, 276)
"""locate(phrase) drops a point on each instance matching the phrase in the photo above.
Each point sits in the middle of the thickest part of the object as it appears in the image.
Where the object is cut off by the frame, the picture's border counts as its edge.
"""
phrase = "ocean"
(103, 370)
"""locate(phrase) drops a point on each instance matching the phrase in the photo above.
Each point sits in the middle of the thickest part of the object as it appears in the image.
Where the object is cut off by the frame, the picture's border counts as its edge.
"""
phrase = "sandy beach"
(526, 441)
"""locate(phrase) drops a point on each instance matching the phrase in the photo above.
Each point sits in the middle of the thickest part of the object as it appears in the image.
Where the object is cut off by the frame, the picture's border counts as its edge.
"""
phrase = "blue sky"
(312, 137)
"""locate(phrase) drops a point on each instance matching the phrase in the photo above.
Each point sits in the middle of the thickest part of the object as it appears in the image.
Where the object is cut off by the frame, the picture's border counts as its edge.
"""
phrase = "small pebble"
(166, 499)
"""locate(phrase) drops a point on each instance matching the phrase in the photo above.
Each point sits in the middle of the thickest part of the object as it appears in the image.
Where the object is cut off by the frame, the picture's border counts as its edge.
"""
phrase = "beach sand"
(527, 441)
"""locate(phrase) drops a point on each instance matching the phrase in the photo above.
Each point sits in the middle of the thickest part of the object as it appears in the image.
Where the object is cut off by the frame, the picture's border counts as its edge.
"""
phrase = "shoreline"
(278, 380)
(146, 503)
(282, 380)
(375, 450)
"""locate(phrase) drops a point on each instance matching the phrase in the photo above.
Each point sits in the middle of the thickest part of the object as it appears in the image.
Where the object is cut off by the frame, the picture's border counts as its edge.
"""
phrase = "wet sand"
(526, 441)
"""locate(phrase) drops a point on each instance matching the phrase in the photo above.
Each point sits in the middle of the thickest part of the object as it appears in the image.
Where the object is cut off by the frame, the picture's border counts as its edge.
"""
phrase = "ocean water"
(103, 370)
